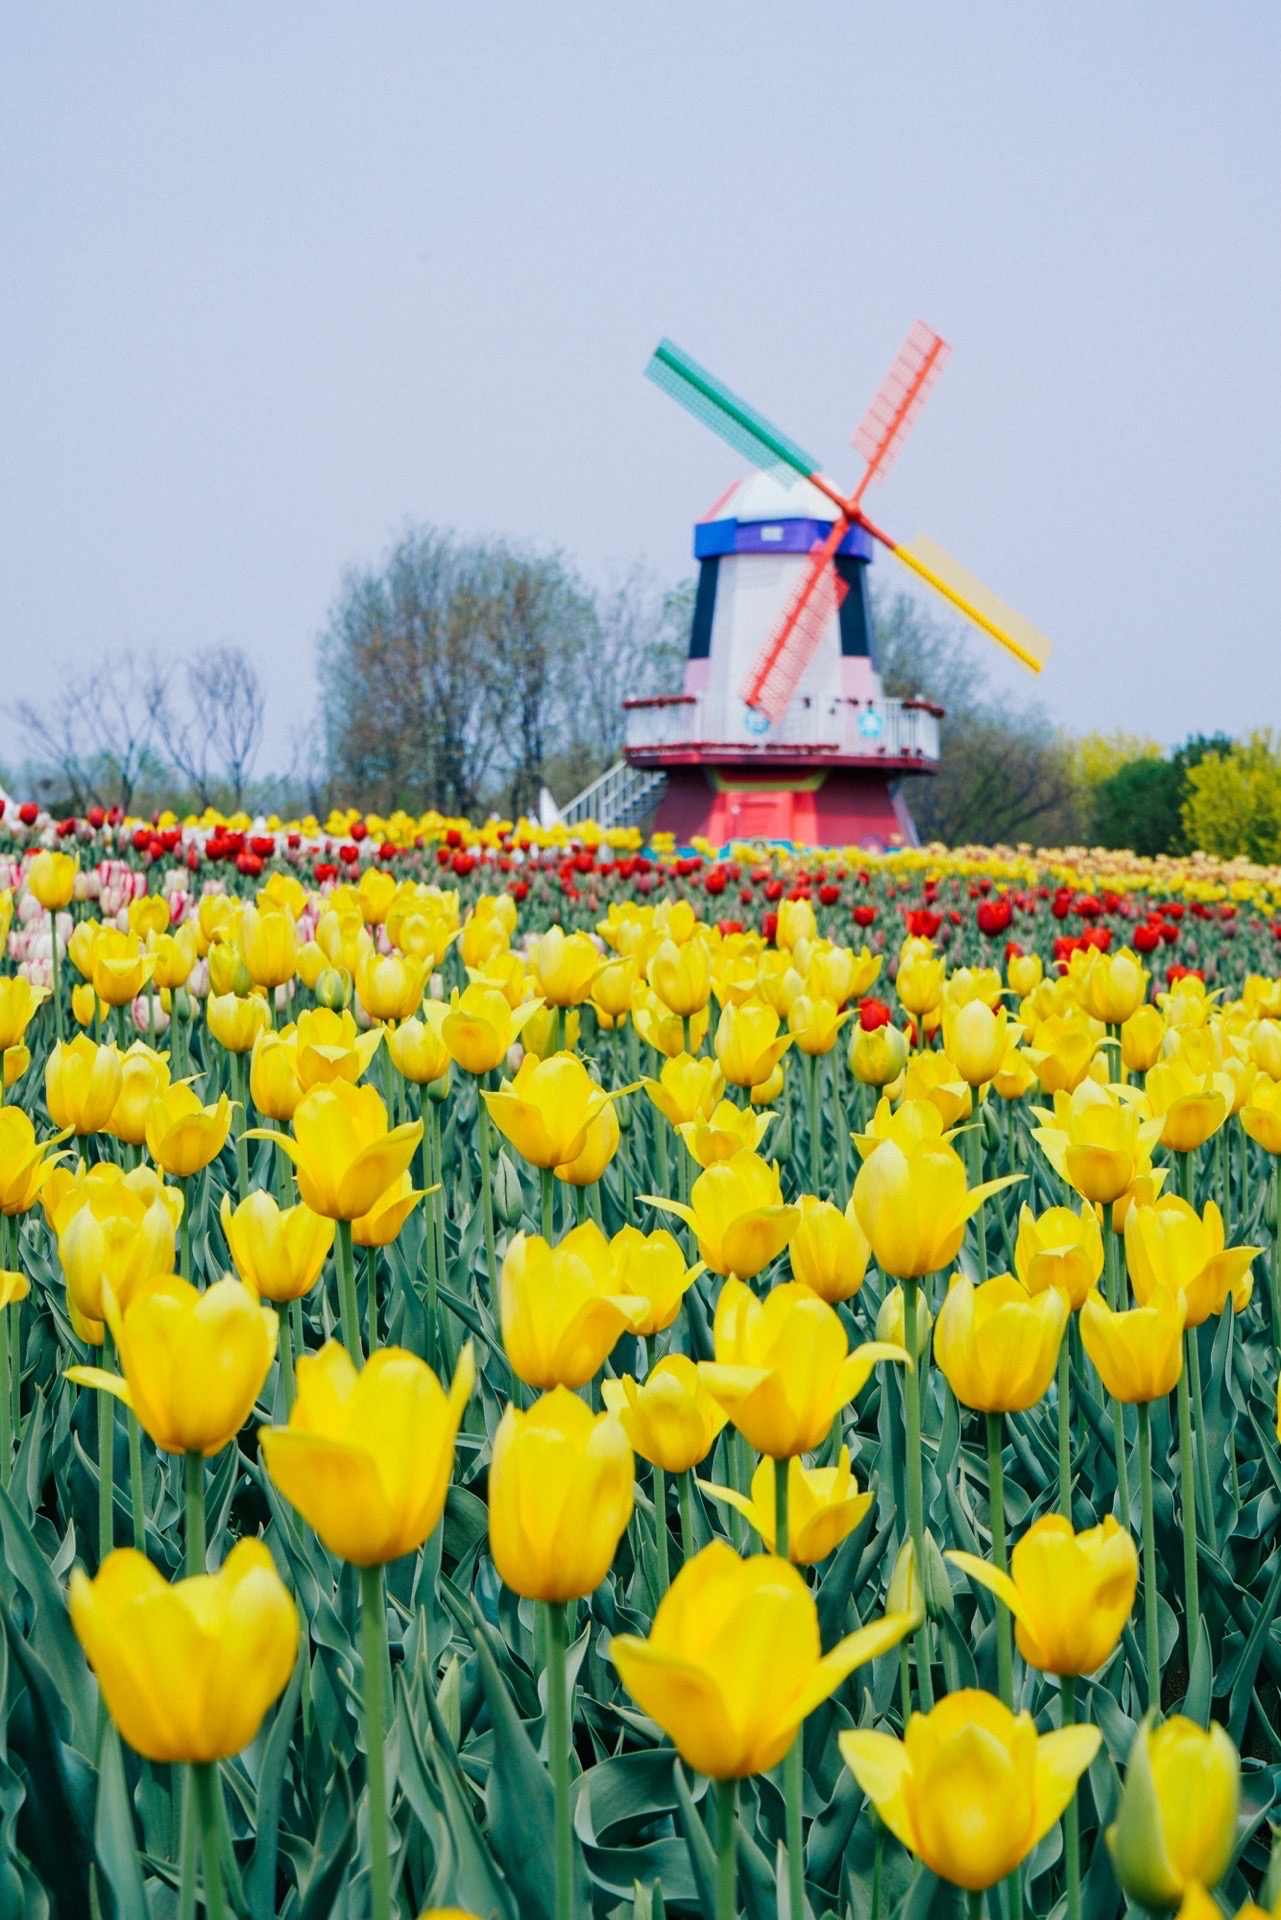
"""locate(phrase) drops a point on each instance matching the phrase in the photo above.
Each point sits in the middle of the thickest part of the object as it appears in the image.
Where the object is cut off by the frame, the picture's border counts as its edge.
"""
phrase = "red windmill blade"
(885, 426)
(778, 667)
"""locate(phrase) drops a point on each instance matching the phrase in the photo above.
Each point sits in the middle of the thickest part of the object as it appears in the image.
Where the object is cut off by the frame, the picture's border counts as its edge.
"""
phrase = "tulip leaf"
(465, 1871)
(260, 1881)
(702, 1854)
(55, 1823)
(114, 1837)
(52, 1632)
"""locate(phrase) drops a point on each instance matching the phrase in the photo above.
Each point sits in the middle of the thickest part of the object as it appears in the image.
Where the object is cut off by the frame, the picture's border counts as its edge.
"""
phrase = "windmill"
(794, 693)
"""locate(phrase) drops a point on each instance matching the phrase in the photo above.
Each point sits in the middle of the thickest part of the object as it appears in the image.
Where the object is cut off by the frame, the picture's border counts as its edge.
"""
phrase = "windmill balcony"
(893, 736)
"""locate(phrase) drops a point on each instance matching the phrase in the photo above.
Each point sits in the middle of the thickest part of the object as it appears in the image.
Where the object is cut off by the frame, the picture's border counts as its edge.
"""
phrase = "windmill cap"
(762, 515)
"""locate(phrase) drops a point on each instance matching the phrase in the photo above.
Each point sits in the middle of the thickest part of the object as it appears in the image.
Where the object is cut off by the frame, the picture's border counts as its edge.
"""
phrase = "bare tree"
(213, 738)
(98, 732)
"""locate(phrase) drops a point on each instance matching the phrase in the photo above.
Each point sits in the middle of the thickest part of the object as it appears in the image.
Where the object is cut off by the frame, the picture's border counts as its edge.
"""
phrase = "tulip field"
(546, 1379)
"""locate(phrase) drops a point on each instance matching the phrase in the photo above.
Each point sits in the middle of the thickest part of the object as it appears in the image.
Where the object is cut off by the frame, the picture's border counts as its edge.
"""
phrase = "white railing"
(621, 797)
(848, 729)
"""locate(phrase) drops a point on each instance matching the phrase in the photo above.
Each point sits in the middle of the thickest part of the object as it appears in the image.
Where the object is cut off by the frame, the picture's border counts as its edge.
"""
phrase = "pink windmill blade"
(777, 670)
(889, 419)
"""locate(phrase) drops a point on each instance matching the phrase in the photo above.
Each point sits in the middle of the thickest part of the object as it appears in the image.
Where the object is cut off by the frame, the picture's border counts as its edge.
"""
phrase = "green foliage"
(1140, 806)
(1233, 804)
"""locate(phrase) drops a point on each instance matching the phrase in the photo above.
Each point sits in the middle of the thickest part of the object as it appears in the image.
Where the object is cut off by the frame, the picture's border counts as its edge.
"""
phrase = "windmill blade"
(748, 432)
(889, 419)
(977, 602)
(777, 669)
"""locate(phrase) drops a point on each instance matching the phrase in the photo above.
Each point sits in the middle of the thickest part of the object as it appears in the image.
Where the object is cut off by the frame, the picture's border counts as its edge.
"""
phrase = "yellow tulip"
(564, 965)
(891, 1321)
(783, 1368)
(670, 1417)
(343, 937)
(562, 1308)
(269, 945)
(227, 970)
(274, 1085)
(1114, 986)
(84, 938)
(1177, 1821)
(119, 1236)
(331, 1047)
(561, 1484)
(483, 936)
(1097, 1142)
(19, 1001)
(217, 914)
(1059, 1249)
(66, 1190)
(971, 1788)
(815, 1024)
(919, 982)
(932, 1077)
(480, 1026)
(390, 987)
(343, 1152)
(384, 1220)
(1168, 1244)
(598, 1149)
(1015, 1075)
(375, 895)
(25, 1162)
(733, 1695)
(796, 922)
(829, 1251)
(837, 973)
(824, 1505)
(1261, 1115)
(1190, 1105)
(236, 1023)
(283, 890)
(913, 1207)
(51, 877)
(550, 1030)
(1062, 1049)
(977, 1040)
(1142, 1036)
(231, 1637)
(182, 1135)
(546, 1110)
(121, 967)
(1070, 1593)
(84, 1004)
(367, 1457)
(747, 1043)
(878, 1055)
(417, 1046)
(1265, 1048)
(1024, 972)
(174, 955)
(737, 1215)
(665, 1031)
(312, 963)
(612, 987)
(651, 1267)
(681, 976)
(148, 915)
(687, 1088)
(997, 1344)
(278, 1252)
(1137, 1353)
(82, 1084)
(193, 1363)
(727, 1130)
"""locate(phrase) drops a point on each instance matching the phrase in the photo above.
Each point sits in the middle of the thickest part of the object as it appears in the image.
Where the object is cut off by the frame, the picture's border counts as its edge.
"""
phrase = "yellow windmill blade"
(977, 602)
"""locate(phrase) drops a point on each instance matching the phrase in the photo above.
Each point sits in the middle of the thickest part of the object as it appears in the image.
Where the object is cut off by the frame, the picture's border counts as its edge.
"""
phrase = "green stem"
(1275, 1275)
(371, 1295)
(976, 1176)
(373, 1649)
(349, 1311)
(55, 975)
(106, 1458)
(1150, 1624)
(1065, 1428)
(915, 1488)
(547, 1184)
(136, 1501)
(816, 1123)
(726, 1826)
(1112, 1283)
(793, 1759)
(190, 1855)
(285, 1357)
(660, 1530)
(1072, 1812)
(6, 1411)
(194, 1484)
(184, 1241)
(241, 1121)
(558, 1731)
(207, 1789)
(1187, 1510)
(685, 1500)
(487, 1195)
(437, 1175)
(974, 1906)
(1202, 1447)
(841, 1117)
(427, 1181)
(1000, 1557)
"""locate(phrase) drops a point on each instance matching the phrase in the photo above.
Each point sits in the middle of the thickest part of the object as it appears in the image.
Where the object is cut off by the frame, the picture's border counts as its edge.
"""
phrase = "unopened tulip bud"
(1177, 1821)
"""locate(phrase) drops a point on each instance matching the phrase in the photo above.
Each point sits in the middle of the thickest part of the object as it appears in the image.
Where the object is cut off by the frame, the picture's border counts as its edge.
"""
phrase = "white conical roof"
(763, 496)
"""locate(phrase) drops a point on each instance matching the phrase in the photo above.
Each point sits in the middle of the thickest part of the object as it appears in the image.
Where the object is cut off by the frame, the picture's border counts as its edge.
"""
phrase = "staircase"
(622, 797)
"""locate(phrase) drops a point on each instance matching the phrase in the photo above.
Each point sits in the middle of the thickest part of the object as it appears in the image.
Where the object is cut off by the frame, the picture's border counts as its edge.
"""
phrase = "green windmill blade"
(747, 431)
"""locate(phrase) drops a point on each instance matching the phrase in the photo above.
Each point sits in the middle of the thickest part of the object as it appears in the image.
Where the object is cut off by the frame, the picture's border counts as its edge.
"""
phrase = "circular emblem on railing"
(870, 724)
(754, 721)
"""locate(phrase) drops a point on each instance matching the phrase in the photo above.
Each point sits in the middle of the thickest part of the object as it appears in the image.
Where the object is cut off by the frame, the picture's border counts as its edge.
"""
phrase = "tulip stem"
(1000, 1557)
(1065, 1429)
(726, 1825)
(184, 1231)
(974, 1906)
(915, 1491)
(194, 1482)
(1151, 1634)
(816, 1124)
(371, 1294)
(6, 1411)
(285, 1357)
(793, 1782)
(54, 972)
(685, 1500)
(1187, 1505)
(106, 1457)
(242, 1145)
(373, 1649)
(660, 1530)
(558, 1734)
(348, 1308)
(1113, 1282)
(1072, 1812)
(546, 1180)
(205, 1776)
(487, 1194)
(136, 1502)
(1202, 1450)
(1275, 1272)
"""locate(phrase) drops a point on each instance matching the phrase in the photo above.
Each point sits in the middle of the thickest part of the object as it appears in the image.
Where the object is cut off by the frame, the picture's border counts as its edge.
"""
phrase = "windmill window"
(771, 533)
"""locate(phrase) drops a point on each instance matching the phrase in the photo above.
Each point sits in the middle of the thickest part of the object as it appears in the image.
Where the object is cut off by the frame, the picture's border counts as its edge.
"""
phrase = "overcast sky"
(280, 279)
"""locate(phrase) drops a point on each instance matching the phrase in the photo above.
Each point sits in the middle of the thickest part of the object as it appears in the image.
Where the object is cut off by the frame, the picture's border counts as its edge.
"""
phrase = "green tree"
(1140, 806)
(1233, 804)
